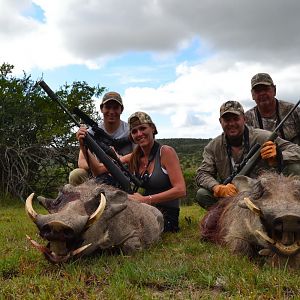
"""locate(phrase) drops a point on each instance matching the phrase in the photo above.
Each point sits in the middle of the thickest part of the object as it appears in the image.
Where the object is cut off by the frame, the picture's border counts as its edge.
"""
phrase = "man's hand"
(81, 133)
(221, 190)
(269, 153)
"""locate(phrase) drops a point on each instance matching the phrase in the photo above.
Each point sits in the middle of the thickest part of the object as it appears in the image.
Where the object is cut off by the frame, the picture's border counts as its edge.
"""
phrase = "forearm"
(82, 163)
(88, 161)
(290, 151)
(171, 194)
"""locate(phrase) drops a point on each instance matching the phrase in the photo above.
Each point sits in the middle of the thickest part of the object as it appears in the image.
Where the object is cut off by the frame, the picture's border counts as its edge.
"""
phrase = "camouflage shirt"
(215, 166)
(291, 127)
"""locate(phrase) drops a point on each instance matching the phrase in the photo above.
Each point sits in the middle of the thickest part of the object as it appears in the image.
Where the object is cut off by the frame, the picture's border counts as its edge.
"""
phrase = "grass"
(180, 266)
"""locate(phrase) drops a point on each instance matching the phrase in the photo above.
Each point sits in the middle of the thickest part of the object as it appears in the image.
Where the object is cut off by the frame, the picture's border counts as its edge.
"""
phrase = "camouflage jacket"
(215, 166)
(291, 126)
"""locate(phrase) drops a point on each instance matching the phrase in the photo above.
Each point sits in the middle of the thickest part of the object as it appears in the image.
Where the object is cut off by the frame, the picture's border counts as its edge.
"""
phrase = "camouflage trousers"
(206, 199)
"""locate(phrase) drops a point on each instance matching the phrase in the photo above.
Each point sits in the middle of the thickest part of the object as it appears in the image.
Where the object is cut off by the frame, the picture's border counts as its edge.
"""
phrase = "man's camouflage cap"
(233, 107)
(112, 96)
(261, 78)
(139, 118)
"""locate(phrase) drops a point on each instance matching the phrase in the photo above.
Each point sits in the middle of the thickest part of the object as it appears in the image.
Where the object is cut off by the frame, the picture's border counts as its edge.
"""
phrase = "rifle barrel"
(256, 156)
(54, 97)
(287, 115)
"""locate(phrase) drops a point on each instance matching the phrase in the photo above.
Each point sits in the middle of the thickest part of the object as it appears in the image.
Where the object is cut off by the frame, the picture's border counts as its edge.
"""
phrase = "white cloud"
(77, 32)
(237, 40)
(193, 100)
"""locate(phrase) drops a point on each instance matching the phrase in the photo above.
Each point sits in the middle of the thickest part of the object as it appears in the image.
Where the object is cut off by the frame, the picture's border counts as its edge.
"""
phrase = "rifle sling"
(246, 149)
(278, 119)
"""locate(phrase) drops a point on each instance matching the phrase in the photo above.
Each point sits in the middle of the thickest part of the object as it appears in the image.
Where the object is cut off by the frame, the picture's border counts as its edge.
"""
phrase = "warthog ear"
(243, 183)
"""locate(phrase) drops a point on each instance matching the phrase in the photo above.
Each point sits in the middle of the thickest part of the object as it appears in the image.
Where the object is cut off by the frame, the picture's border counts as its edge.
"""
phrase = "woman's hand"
(137, 197)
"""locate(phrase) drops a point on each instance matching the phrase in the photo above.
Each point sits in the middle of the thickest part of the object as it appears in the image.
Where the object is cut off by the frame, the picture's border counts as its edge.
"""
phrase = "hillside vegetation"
(190, 155)
(189, 150)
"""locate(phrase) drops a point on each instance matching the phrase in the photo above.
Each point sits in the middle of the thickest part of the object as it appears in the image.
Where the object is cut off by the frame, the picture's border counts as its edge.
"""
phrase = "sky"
(176, 60)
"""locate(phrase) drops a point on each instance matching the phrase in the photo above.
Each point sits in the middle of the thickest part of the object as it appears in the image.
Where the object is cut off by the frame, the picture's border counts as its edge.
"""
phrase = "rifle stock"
(110, 166)
(255, 158)
(99, 132)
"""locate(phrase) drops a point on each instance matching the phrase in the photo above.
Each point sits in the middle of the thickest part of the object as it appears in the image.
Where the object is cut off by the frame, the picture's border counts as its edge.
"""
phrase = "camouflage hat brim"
(112, 99)
(262, 83)
(231, 112)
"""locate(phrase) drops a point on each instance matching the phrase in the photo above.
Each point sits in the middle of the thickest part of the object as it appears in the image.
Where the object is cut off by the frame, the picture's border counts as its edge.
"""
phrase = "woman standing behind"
(159, 169)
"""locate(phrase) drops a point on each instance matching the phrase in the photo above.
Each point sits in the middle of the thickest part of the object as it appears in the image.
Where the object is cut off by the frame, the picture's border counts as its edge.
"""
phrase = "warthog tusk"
(265, 237)
(79, 250)
(287, 250)
(97, 214)
(283, 249)
(29, 209)
(52, 256)
(265, 252)
(252, 206)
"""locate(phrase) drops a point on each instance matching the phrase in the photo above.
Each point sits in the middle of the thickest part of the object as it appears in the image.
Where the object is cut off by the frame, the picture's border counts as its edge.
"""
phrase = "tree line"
(37, 142)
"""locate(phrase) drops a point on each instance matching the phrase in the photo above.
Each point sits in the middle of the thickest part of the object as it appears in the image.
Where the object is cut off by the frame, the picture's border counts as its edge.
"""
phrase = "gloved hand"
(221, 190)
(269, 152)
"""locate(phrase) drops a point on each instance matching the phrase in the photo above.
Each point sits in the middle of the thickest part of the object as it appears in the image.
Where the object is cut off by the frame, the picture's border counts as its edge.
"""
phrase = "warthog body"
(77, 224)
(263, 219)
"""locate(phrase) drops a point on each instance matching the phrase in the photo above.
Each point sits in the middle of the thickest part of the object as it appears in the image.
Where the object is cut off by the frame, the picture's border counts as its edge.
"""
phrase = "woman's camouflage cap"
(139, 118)
(231, 106)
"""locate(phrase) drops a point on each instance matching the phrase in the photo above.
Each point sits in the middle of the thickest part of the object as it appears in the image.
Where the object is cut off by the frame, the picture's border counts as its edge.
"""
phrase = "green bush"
(191, 187)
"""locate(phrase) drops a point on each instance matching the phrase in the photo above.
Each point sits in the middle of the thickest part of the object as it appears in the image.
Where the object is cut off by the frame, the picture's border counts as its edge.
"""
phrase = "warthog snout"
(60, 232)
(287, 229)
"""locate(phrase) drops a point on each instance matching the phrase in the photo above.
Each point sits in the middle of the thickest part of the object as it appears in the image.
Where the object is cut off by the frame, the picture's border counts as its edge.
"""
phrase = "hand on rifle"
(222, 190)
(80, 134)
(269, 153)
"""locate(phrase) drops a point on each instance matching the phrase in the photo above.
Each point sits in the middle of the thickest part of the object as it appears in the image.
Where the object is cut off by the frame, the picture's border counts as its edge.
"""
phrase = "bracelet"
(150, 199)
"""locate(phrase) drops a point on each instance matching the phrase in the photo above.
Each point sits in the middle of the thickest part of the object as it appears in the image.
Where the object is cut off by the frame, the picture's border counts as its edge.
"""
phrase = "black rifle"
(99, 133)
(242, 164)
(254, 156)
(95, 148)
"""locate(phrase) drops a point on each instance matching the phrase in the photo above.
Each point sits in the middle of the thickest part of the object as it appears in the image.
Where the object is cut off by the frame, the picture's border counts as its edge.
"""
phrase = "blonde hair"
(134, 161)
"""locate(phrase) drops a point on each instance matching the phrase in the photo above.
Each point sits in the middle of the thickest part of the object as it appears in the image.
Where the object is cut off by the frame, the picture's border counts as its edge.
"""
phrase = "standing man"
(269, 111)
(111, 108)
(224, 153)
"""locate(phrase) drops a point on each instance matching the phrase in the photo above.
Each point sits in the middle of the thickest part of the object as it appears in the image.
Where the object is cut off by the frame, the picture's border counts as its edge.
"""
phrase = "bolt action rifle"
(253, 157)
(102, 151)
(99, 133)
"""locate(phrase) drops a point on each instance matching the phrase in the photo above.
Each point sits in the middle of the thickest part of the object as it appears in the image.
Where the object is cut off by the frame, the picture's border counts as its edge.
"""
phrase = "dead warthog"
(263, 219)
(93, 216)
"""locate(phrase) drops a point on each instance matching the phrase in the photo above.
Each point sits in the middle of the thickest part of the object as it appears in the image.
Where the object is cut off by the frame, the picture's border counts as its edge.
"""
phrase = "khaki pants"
(205, 198)
(78, 176)
(291, 169)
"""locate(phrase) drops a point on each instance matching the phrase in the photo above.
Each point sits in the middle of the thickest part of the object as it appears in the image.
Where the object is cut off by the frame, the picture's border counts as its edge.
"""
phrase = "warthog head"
(276, 201)
(264, 218)
(93, 216)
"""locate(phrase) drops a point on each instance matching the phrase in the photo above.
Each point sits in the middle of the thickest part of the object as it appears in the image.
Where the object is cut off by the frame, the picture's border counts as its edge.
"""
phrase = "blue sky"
(176, 60)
